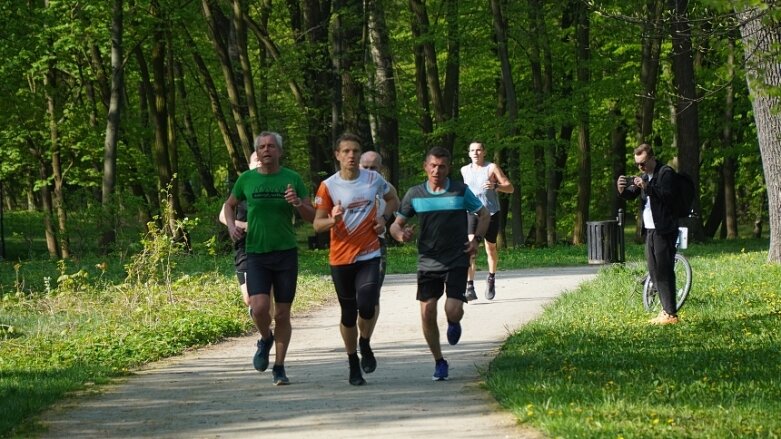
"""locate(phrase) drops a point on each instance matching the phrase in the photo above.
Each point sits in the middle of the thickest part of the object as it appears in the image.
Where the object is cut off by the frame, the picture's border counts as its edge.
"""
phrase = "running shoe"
(356, 379)
(490, 289)
(260, 360)
(453, 332)
(368, 362)
(440, 370)
(470, 293)
(278, 375)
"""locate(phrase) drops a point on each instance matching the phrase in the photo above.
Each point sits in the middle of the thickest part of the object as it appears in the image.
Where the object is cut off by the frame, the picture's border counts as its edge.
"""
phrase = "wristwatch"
(478, 238)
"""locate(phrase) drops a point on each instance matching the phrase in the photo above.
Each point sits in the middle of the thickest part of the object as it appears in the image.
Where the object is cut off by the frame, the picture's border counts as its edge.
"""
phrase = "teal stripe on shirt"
(437, 204)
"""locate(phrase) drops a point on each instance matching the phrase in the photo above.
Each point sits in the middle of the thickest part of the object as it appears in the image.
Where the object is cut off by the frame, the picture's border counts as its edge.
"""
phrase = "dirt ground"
(215, 392)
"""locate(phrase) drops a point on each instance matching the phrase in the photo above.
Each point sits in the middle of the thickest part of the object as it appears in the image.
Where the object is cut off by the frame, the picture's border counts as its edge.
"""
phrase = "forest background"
(114, 109)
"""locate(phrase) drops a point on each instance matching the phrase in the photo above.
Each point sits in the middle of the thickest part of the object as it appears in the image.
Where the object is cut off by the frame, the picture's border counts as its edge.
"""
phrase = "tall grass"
(591, 365)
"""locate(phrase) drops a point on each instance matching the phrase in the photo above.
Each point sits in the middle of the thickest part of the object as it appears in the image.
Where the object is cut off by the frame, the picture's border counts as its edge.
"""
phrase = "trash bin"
(604, 242)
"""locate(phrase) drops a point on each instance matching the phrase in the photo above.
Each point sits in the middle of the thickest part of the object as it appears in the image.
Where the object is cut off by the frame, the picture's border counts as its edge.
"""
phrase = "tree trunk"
(348, 58)
(58, 196)
(229, 136)
(439, 102)
(729, 168)
(191, 137)
(112, 125)
(214, 18)
(309, 21)
(686, 114)
(649, 69)
(162, 157)
(46, 201)
(384, 88)
(761, 39)
(421, 86)
(583, 57)
(539, 86)
(618, 156)
(510, 100)
(240, 9)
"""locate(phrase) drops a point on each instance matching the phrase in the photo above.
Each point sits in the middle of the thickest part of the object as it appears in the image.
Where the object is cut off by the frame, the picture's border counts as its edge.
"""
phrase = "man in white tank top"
(486, 180)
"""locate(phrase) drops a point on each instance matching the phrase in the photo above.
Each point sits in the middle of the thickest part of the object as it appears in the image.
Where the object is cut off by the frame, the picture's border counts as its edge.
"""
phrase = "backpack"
(683, 200)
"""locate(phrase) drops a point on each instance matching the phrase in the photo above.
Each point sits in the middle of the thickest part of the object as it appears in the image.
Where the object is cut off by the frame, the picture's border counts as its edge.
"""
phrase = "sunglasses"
(371, 168)
(642, 164)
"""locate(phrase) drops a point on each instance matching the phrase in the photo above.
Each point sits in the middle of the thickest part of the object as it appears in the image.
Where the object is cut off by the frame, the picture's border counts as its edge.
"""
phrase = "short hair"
(277, 138)
(438, 152)
(645, 148)
(346, 137)
(477, 142)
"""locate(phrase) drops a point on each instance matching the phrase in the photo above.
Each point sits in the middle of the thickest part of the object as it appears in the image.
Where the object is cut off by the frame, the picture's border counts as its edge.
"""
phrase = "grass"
(591, 366)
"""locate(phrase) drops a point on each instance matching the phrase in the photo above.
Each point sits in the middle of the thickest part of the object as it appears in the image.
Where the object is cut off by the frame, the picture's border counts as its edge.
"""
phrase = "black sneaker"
(368, 362)
(278, 376)
(490, 288)
(260, 360)
(470, 294)
(356, 379)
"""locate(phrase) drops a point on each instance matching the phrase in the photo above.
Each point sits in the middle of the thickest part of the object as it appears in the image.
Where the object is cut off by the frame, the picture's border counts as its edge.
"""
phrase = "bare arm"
(399, 232)
(392, 203)
(229, 213)
(325, 220)
(241, 224)
(502, 183)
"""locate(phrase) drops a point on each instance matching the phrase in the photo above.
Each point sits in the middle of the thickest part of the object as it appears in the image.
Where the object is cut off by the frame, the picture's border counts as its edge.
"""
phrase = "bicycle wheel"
(683, 285)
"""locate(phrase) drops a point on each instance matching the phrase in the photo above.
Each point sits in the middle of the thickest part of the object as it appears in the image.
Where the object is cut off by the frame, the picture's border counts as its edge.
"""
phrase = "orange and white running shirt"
(354, 238)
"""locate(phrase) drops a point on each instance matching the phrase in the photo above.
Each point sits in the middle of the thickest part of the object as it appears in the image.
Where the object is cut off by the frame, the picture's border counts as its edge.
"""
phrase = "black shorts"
(240, 261)
(278, 269)
(493, 226)
(431, 284)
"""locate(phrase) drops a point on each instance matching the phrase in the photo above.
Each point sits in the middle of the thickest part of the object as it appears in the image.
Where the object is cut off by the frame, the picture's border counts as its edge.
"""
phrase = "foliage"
(591, 366)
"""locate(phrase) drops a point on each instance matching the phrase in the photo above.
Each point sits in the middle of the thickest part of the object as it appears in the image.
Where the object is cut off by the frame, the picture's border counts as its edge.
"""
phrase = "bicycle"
(683, 278)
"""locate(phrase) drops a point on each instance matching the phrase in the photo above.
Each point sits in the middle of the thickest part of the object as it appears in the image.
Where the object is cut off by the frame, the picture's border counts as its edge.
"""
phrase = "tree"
(761, 33)
(112, 121)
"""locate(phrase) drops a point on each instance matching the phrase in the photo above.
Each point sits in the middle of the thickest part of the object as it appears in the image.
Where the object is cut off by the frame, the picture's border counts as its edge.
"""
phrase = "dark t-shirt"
(443, 224)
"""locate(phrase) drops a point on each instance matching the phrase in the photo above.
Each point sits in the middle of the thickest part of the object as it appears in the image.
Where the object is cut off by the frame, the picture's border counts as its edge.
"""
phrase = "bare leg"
(282, 331)
(454, 310)
(470, 275)
(493, 256)
(428, 316)
(261, 316)
(366, 327)
(244, 293)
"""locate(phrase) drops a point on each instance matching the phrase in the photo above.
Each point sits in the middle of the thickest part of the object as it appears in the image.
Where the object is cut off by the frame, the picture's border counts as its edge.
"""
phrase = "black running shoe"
(278, 376)
(368, 362)
(260, 360)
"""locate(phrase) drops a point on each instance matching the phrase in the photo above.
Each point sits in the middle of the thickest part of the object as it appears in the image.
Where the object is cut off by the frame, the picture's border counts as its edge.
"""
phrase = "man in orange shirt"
(346, 204)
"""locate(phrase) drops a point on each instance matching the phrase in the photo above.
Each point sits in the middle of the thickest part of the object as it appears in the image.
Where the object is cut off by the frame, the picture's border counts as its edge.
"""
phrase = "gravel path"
(215, 393)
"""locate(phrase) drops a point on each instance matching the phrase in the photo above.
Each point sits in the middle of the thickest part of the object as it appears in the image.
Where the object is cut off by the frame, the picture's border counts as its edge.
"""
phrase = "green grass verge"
(65, 327)
(591, 366)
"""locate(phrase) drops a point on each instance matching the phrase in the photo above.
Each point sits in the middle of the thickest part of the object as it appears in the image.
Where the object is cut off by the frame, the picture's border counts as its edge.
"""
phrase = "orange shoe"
(664, 319)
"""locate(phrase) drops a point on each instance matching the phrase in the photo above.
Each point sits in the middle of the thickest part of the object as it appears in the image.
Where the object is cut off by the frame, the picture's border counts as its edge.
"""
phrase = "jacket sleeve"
(630, 193)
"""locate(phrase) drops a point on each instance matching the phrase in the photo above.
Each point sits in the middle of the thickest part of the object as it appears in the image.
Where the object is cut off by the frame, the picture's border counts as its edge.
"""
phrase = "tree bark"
(46, 201)
(191, 137)
(583, 56)
(348, 59)
(240, 17)
(210, 12)
(729, 168)
(761, 39)
(686, 113)
(112, 124)
(58, 198)
(510, 100)
(384, 88)
(649, 69)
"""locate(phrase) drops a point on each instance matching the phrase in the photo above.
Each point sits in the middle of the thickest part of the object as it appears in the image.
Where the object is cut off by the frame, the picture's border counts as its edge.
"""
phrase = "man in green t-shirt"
(273, 194)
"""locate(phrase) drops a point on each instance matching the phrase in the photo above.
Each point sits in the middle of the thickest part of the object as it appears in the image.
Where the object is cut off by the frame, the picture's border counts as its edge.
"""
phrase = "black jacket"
(661, 190)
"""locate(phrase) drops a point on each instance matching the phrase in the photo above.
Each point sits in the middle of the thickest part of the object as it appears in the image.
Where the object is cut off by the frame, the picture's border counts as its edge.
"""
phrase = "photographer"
(656, 189)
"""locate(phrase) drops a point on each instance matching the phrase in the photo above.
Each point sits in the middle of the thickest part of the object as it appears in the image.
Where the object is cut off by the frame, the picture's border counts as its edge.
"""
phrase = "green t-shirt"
(269, 216)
